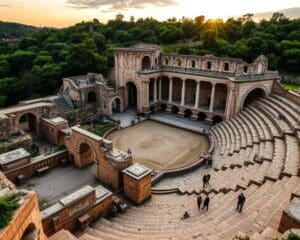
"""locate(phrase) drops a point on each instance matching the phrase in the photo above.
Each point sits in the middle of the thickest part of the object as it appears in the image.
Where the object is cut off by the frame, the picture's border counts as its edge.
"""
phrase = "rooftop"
(137, 171)
(14, 155)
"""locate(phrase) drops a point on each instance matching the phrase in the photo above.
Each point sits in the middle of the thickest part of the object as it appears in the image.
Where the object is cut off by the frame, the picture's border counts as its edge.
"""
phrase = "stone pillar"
(183, 92)
(147, 93)
(171, 90)
(212, 97)
(137, 183)
(160, 89)
(197, 95)
(155, 90)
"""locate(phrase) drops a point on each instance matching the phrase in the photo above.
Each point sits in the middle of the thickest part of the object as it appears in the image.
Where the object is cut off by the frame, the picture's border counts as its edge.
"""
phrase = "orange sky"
(60, 13)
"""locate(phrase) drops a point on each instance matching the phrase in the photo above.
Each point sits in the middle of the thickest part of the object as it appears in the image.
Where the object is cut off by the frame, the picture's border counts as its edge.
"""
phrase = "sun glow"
(58, 13)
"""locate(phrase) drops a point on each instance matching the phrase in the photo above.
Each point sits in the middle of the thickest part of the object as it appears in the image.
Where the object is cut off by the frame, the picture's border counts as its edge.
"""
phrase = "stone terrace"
(256, 151)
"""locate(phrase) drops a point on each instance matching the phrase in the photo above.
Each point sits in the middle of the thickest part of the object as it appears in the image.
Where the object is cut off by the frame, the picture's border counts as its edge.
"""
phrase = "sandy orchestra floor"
(160, 146)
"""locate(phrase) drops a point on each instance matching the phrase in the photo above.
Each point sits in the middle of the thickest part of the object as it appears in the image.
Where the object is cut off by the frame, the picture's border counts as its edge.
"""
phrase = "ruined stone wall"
(26, 214)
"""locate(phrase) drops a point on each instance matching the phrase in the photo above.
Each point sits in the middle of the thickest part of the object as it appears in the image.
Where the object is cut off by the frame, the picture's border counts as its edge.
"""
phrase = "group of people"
(240, 204)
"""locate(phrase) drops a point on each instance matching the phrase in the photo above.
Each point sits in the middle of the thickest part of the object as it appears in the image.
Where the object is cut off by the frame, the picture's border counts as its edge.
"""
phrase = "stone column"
(171, 90)
(147, 93)
(212, 97)
(183, 92)
(155, 90)
(197, 95)
(160, 89)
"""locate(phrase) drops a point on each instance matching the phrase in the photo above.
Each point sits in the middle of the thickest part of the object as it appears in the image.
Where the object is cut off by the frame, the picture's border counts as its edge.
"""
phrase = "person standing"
(199, 201)
(204, 180)
(241, 201)
(206, 203)
(207, 179)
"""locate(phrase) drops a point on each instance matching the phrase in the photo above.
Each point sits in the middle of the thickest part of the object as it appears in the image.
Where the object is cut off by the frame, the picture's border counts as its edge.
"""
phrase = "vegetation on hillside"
(15, 30)
(7, 206)
(36, 66)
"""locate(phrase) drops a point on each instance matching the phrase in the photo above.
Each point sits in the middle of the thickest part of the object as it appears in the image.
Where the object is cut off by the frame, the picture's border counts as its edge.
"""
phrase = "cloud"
(5, 5)
(118, 4)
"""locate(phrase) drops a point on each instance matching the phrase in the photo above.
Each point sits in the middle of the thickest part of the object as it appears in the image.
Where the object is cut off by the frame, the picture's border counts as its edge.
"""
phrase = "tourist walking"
(204, 180)
(199, 201)
(206, 203)
(241, 201)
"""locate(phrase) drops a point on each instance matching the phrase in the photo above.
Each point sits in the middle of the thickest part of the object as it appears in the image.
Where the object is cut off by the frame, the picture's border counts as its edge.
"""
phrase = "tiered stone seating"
(257, 151)
(160, 218)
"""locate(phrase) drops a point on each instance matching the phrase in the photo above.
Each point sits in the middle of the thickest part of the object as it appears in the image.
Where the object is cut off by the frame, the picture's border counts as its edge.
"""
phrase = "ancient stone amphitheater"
(256, 152)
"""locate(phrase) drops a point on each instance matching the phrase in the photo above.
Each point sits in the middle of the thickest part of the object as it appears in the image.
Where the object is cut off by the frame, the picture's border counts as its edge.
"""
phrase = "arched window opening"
(245, 69)
(208, 65)
(178, 62)
(146, 62)
(226, 67)
(193, 63)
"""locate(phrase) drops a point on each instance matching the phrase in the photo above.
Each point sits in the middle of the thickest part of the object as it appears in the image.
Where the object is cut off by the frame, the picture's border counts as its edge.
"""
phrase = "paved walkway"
(126, 118)
(186, 123)
(59, 182)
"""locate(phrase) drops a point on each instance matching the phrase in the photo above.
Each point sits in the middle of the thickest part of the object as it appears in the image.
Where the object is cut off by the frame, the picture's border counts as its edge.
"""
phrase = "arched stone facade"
(107, 161)
(208, 84)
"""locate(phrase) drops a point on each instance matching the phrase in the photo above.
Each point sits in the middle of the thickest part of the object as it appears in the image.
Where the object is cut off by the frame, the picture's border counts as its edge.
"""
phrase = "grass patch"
(101, 129)
(8, 205)
(291, 86)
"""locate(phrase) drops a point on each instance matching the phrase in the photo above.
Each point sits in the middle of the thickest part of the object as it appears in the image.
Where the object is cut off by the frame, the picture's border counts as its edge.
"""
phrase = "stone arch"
(166, 61)
(245, 70)
(226, 67)
(163, 107)
(193, 63)
(178, 62)
(28, 122)
(187, 113)
(132, 94)
(30, 233)
(91, 97)
(116, 105)
(174, 110)
(216, 119)
(86, 153)
(201, 116)
(253, 94)
(146, 62)
(208, 65)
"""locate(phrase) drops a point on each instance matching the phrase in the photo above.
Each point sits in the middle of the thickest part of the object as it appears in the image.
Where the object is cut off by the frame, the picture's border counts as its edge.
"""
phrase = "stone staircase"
(62, 102)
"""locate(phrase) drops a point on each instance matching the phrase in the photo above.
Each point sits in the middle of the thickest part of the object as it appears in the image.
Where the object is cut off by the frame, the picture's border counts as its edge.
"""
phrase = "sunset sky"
(61, 13)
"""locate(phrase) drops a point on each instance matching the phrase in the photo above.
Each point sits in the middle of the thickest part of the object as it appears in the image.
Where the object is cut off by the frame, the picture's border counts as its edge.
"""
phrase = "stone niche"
(290, 216)
(14, 159)
(137, 183)
(77, 210)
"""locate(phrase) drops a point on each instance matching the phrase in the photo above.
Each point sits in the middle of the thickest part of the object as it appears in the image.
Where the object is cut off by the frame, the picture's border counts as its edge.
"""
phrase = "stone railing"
(279, 90)
(209, 73)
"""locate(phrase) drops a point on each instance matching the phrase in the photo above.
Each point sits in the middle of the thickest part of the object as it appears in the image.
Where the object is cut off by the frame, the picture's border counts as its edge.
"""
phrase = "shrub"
(292, 236)
(7, 206)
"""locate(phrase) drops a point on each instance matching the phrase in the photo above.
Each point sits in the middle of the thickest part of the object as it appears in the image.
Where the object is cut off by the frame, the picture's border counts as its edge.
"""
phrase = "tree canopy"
(36, 66)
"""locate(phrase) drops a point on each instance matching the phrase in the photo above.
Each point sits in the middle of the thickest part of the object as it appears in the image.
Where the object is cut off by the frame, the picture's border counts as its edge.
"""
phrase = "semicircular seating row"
(257, 151)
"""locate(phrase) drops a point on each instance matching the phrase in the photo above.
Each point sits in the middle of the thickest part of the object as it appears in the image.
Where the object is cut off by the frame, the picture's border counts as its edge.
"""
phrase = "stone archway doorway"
(131, 96)
(116, 105)
(28, 123)
(253, 95)
(30, 233)
(86, 154)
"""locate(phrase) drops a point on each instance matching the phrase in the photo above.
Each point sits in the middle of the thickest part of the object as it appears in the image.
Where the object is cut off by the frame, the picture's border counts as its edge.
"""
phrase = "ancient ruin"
(250, 133)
